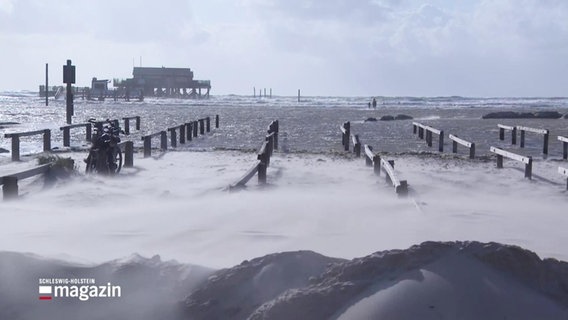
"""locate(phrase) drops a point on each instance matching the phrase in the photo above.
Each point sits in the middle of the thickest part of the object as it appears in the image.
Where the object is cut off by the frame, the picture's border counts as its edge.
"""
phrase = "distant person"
(369, 106)
(374, 103)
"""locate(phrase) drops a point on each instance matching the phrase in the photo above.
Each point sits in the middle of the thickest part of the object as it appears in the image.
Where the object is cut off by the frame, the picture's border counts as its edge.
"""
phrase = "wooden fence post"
(129, 154)
(208, 122)
(182, 134)
(164, 140)
(10, 187)
(472, 151)
(173, 137)
(545, 147)
(201, 126)
(46, 140)
(514, 136)
(217, 121)
(89, 130)
(195, 126)
(499, 161)
(66, 137)
(377, 164)
(347, 126)
(441, 141)
(147, 146)
(127, 125)
(522, 138)
(501, 134)
(528, 169)
(16, 148)
(137, 122)
(189, 129)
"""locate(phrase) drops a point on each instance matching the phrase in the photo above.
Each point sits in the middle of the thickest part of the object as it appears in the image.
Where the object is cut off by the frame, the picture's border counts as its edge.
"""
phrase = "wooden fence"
(263, 157)
(513, 130)
(467, 144)
(67, 132)
(345, 134)
(16, 141)
(375, 160)
(544, 132)
(425, 131)
(9, 183)
(502, 153)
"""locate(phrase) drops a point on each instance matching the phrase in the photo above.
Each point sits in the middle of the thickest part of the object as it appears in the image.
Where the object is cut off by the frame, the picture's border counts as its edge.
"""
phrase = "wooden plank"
(534, 130)
(71, 126)
(502, 126)
(428, 128)
(390, 171)
(510, 155)
(246, 177)
(563, 139)
(152, 135)
(29, 173)
(460, 141)
(342, 128)
(563, 171)
(354, 139)
(369, 152)
(23, 134)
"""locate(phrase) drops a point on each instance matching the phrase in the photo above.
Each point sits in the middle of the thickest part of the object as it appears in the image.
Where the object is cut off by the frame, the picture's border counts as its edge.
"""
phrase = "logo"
(81, 289)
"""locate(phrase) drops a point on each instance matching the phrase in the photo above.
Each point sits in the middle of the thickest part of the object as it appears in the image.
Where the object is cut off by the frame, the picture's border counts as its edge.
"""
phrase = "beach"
(177, 204)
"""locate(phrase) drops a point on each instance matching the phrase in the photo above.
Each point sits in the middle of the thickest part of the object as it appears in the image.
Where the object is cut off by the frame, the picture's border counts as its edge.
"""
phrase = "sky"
(322, 47)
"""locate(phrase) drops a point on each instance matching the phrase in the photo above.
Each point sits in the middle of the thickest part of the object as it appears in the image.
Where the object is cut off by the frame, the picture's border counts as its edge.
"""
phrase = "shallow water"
(311, 125)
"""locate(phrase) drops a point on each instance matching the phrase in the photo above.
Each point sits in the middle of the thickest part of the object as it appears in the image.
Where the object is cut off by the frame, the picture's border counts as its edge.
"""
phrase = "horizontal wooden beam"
(246, 177)
(510, 155)
(563, 139)
(428, 128)
(460, 141)
(23, 134)
(534, 130)
(71, 126)
(502, 126)
(29, 173)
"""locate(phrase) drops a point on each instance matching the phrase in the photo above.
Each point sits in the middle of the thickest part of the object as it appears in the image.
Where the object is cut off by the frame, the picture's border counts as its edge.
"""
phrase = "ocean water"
(311, 125)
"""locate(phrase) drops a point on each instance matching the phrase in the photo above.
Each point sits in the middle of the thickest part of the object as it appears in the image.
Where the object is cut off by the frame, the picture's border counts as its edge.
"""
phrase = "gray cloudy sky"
(324, 47)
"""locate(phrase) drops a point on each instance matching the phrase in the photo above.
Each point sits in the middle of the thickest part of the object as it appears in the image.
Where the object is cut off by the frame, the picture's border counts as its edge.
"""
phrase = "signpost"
(69, 78)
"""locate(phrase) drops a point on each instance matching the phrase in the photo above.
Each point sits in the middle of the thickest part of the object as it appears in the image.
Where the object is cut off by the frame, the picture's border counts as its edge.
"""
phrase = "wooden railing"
(127, 123)
(544, 132)
(425, 131)
(16, 141)
(564, 141)
(9, 183)
(502, 153)
(467, 144)
(67, 132)
(513, 130)
(356, 145)
(375, 160)
(127, 148)
(263, 157)
(148, 142)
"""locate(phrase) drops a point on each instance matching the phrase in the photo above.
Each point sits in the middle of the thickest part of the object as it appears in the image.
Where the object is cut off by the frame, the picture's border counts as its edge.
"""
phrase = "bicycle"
(105, 156)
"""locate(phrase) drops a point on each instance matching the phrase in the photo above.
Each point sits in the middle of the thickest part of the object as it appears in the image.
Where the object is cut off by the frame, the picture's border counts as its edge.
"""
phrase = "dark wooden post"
(522, 138)
(368, 160)
(189, 131)
(66, 137)
(208, 123)
(137, 122)
(127, 125)
(441, 141)
(420, 132)
(429, 138)
(173, 137)
(276, 130)
(357, 146)
(528, 169)
(454, 147)
(377, 164)
(499, 161)
(182, 134)
(195, 127)
(10, 187)
(46, 140)
(46, 84)
(217, 121)
(164, 140)
(565, 150)
(514, 136)
(129, 154)
(545, 146)
(501, 134)
(347, 126)
(391, 162)
(147, 146)
(262, 172)
(414, 129)
(89, 132)
(201, 126)
(472, 151)
(15, 147)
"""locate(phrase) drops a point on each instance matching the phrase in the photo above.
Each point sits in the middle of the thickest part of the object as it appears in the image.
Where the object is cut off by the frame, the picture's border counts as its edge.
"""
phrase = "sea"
(308, 125)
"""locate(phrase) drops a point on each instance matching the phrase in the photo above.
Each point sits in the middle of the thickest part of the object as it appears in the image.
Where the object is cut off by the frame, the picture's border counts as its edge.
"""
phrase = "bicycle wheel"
(117, 159)
(91, 162)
